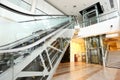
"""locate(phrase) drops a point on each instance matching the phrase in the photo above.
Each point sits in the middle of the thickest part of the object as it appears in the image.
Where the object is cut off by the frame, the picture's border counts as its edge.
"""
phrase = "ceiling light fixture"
(74, 6)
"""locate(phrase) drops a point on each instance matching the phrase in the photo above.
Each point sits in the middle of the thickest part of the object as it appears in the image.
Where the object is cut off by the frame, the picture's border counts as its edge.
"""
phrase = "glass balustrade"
(99, 19)
(21, 3)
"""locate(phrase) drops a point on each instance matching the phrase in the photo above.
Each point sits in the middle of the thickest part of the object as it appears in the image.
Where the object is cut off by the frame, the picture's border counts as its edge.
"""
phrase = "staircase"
(113, 59)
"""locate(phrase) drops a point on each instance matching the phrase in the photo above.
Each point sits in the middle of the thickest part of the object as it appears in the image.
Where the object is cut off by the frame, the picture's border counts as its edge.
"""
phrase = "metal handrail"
(100, 16)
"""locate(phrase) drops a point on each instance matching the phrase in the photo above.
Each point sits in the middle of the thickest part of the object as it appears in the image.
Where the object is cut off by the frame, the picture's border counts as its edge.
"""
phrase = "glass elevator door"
(94, 50)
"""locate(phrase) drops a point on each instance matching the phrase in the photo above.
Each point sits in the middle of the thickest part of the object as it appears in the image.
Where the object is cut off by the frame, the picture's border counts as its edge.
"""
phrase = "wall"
(77, 46)
(118, 45)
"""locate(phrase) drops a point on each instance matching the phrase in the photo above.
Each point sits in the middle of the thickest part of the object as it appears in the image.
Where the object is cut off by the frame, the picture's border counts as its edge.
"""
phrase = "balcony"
(107, 24)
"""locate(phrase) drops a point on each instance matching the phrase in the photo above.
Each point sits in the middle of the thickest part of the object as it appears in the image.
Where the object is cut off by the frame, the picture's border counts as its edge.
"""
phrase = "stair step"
(113, 59)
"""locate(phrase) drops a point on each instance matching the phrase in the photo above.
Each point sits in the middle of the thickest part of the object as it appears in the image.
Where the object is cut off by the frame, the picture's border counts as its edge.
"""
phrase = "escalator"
(36, 56)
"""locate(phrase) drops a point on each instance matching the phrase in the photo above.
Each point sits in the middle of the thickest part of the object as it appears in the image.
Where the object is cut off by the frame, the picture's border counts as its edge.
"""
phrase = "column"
(34, 3)
(118, 5)
(97, 15)
(102, 48)
(86, 50)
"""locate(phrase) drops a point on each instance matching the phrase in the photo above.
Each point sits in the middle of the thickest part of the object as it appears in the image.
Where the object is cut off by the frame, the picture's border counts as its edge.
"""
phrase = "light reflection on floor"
(83, 71)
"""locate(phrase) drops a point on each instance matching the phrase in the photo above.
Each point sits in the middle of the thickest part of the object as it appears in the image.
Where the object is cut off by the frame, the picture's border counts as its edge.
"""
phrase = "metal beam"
(55, 48)
(48, 57)
(31, 73)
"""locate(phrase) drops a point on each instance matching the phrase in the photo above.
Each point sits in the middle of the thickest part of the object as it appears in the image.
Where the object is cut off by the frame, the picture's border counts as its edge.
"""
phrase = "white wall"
(100, 28)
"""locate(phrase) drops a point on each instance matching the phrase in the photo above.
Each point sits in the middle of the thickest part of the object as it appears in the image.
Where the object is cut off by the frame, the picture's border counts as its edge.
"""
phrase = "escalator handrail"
(35, 43)
(39, 19)
(4, 46)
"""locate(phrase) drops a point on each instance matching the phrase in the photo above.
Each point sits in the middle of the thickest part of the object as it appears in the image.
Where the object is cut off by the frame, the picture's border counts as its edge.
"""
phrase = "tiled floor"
(82, 71)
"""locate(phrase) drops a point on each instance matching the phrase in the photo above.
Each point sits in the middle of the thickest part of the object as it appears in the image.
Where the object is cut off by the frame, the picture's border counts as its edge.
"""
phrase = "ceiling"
(72, 7)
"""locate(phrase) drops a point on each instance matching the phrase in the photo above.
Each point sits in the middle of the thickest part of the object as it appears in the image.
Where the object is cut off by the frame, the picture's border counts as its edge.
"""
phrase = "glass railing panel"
(30, 27)
(53, 54)
(99, 19)
(46, 60)
(108, 16)
(48, 23)
(6, 61)
(21, 3)
(35, 65)
(43, 23)
(19, 56)
(7, 64)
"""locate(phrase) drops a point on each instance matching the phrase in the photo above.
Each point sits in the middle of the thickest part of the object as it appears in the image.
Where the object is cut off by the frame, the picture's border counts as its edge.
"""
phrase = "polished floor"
(83, 71)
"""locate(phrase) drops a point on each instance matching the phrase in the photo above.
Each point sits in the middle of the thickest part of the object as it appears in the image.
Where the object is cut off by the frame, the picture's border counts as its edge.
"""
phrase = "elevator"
(94, 52)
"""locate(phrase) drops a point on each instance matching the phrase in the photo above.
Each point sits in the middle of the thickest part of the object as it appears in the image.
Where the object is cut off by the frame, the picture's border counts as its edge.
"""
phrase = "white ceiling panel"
(72, 7)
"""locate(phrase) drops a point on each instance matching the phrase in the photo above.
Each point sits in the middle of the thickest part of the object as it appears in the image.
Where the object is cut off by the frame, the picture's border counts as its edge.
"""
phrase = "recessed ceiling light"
(74, 6)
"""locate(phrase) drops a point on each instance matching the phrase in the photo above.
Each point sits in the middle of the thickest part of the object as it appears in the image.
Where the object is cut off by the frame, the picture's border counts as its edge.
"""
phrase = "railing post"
(97, 15)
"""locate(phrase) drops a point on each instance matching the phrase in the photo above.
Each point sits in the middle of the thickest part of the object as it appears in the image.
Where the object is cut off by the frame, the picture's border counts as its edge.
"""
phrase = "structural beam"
(34, 3)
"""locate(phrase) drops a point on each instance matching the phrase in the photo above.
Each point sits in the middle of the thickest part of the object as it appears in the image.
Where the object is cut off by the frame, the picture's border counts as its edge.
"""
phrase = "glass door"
(94, 50)
(90, 18)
